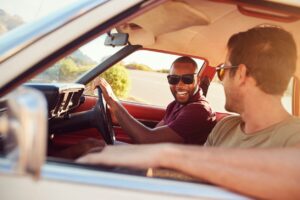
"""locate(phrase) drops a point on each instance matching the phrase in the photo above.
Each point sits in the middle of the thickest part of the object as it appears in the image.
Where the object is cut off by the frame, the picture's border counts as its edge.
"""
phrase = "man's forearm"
(136, 130)
(263, 173)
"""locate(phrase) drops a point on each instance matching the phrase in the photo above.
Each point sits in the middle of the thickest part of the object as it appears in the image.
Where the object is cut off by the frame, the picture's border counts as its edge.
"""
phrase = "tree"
(118, 78)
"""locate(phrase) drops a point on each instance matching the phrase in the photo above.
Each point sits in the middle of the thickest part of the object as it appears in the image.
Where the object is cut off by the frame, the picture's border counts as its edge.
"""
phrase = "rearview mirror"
(116, 39)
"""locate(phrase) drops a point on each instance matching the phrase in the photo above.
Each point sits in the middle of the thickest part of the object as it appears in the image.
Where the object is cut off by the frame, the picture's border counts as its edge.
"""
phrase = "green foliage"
(163, 71)
(138, 66)
(68, 69)
(142, 67)
(118, 78)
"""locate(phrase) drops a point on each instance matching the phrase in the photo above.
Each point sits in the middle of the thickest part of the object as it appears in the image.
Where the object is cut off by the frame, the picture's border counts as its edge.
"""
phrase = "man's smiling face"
(181, 91)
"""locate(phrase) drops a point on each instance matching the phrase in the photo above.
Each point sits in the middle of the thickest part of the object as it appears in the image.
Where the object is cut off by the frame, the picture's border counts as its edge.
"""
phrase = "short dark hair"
(269, 54)
(185, 59)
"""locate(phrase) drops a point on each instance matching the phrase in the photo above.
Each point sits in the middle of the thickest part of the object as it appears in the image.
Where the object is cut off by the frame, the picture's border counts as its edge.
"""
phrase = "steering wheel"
(103, 119)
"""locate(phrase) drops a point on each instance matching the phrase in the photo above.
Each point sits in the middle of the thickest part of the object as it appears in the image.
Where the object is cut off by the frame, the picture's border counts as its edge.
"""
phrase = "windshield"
(84, 59)
(14, 13)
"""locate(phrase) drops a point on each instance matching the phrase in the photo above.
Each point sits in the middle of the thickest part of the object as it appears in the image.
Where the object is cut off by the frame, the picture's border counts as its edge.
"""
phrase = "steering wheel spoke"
(103, 120)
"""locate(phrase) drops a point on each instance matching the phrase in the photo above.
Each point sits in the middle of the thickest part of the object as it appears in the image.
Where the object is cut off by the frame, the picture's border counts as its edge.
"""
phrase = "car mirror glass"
(116, 39)
(23, 128)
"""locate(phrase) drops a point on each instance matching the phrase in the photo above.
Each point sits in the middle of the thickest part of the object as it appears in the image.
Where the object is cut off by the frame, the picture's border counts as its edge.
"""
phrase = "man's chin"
(182, 101)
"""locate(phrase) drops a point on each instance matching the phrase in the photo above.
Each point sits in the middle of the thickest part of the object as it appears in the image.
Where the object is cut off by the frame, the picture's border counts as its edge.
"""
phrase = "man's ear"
(241, 73)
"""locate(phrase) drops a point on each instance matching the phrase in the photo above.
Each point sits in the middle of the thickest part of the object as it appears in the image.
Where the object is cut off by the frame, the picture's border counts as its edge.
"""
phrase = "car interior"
(196, 28)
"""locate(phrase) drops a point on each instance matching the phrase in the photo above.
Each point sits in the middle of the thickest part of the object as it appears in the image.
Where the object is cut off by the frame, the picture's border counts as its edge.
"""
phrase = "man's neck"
(262, 113)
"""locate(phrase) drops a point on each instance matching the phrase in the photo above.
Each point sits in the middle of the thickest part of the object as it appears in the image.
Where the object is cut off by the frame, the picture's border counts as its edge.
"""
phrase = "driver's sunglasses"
(186, 79)
(220, 69)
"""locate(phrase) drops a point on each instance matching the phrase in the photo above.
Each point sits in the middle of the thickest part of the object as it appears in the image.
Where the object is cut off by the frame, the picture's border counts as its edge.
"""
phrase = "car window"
(216, 96)
(12, 16)
(142, 77)
(84, 59)
(287, 97)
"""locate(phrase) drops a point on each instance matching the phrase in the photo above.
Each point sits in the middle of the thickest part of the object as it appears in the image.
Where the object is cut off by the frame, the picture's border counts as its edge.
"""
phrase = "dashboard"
(61, 97)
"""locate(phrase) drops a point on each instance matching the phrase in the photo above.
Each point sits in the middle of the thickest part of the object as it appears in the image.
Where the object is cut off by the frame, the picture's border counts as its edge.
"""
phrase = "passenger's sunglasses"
(186, 79)
(221, 70)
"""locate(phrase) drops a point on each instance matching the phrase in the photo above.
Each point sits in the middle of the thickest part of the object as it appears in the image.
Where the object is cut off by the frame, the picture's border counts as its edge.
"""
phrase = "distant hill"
(81, 59)
(138, 66)
(9, 22)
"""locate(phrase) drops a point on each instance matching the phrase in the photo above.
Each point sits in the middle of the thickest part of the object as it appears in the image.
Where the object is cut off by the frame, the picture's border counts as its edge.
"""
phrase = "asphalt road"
(150, 87)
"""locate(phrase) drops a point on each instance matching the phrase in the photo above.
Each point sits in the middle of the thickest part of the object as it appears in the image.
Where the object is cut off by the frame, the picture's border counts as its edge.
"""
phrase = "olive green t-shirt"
(228, 133)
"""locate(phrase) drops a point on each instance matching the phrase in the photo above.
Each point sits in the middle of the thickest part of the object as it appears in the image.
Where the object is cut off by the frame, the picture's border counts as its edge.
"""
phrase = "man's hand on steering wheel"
(108, 95)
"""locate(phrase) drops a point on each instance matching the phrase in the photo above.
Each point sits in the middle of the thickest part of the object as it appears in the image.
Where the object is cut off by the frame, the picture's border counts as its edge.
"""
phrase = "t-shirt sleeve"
(190, 120)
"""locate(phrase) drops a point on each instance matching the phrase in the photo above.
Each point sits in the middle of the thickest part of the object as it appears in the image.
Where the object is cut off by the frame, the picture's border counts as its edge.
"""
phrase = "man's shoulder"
(171, 104)
(290, 126)
(223, 129)
(293, 123)
(288, 132)
(227, 123)
(200, 103)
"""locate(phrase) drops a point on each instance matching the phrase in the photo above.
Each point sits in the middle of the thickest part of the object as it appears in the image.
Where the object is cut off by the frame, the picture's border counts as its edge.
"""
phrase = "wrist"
(113, 104)
(168, 155)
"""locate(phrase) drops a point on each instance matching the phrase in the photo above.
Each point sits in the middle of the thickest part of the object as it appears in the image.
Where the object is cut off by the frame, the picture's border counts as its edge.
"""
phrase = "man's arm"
(136, 130)
(161, 123)
(262, 173)
(139, 132)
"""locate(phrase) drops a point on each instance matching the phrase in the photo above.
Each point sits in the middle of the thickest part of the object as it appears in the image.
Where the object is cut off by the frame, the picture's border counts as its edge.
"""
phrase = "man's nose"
(180, 84)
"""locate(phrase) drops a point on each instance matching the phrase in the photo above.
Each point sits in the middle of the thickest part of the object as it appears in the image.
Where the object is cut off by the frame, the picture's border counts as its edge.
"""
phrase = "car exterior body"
(29, 50)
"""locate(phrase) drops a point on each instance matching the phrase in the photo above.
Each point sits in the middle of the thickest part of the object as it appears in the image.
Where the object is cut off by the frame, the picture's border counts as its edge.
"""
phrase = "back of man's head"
(269, 54)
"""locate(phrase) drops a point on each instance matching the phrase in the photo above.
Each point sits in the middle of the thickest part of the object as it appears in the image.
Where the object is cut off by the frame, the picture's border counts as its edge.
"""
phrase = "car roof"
(202, 28)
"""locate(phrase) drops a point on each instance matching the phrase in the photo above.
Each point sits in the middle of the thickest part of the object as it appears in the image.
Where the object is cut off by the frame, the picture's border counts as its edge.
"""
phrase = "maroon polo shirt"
(193, 121)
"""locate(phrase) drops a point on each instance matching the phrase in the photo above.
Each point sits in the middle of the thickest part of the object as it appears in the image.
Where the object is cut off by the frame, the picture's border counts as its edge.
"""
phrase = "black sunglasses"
(186, 79)
(220, 69)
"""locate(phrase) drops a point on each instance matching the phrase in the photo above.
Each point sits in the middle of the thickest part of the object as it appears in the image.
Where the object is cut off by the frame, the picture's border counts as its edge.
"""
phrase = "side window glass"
(216, 96)
(142, 77)
(287, 97)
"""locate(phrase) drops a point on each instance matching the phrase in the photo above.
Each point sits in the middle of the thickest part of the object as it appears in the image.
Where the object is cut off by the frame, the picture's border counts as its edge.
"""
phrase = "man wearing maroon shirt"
(188, 119)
